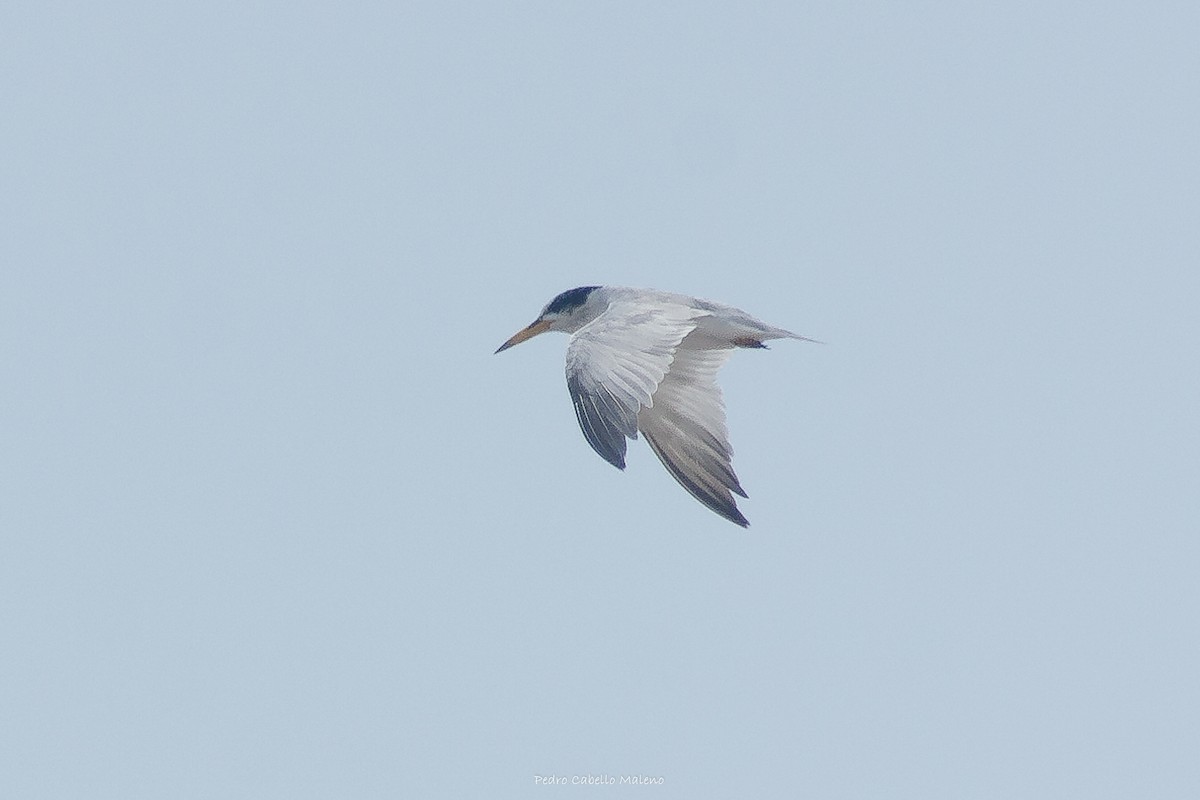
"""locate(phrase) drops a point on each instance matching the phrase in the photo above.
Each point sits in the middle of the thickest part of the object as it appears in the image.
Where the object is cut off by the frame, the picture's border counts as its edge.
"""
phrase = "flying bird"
(641, 360)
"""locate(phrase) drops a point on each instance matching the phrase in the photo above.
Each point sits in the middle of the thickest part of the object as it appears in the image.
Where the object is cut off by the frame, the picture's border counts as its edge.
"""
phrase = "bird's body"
(646, 361)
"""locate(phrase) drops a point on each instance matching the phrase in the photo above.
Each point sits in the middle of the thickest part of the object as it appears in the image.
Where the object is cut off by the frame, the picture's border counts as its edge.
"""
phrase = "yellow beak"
(528, 332)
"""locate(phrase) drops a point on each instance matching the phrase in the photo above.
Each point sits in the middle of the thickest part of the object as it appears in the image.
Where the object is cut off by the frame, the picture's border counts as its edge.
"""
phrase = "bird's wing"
(685, 427)
(614, 365)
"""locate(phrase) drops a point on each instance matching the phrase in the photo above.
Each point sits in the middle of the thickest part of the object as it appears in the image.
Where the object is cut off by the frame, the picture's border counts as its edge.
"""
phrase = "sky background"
(276, 523)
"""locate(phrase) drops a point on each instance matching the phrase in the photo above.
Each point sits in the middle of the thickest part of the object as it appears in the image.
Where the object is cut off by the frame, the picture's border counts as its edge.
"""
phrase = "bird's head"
(568, 312)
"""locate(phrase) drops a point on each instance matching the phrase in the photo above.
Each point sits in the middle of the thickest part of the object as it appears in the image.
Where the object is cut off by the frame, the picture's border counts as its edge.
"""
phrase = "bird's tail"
(780, 333)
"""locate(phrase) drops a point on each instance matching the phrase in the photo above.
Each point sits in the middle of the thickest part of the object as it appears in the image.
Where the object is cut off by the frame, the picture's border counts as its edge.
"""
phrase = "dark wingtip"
(730, 512)
(614, 457)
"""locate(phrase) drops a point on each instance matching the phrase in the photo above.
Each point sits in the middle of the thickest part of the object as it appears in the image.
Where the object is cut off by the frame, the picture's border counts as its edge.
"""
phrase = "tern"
(641, 360)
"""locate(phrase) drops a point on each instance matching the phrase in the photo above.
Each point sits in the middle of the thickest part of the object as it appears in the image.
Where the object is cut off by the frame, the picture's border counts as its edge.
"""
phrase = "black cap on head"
(568, 300)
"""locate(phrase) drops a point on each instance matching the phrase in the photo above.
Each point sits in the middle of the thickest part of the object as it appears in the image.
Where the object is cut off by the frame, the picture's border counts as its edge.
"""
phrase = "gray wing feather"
(649, 368)
(686, 430)
(605, 422)
(614, 365)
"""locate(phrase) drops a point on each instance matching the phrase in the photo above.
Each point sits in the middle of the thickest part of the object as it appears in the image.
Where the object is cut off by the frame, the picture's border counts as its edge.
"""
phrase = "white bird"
(645, 360)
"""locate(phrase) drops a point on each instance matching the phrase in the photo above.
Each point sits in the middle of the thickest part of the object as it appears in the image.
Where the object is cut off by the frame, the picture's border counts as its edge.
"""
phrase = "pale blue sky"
(277, 524)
